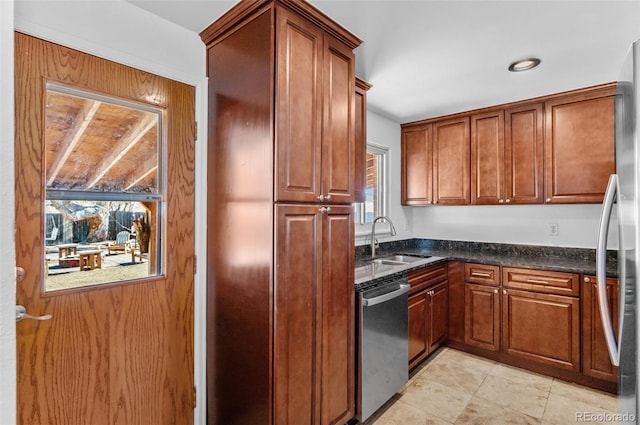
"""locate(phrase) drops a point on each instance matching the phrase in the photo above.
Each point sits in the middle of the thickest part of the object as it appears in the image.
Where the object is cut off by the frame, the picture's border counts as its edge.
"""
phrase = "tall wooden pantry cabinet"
(281, 180)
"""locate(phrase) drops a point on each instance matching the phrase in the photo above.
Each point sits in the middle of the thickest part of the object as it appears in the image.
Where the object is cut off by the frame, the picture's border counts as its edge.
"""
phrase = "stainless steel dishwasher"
(383, 347)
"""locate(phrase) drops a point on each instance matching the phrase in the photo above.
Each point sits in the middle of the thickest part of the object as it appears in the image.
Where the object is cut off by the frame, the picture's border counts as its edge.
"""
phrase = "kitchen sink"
(398, 259)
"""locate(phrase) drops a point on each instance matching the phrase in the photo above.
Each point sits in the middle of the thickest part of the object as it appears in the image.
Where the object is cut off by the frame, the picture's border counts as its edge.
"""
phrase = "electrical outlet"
(554, 229)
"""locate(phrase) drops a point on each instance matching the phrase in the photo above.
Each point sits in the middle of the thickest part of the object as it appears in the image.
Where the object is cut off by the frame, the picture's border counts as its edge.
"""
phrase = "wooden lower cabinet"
(417, 327)
(314, 339)
(428, 313)
(541, 327)
(595, 355)
(482, 316)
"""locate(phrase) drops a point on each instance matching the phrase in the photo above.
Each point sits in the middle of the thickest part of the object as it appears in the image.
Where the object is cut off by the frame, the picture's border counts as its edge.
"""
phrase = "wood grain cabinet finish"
(524, 154)
(315, 127)
(360, 157)
(455, 276)
(487, 158)
(595, 355)
(314, 356)
(482, 316)
(280, 275)
(482, 306)
(451, 162)
(417, 165)
(541, 316)
(542, 328)
(428, 312)
(579, 146)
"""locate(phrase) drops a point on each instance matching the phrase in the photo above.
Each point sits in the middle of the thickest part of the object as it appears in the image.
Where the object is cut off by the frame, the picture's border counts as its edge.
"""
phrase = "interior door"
(116, 352)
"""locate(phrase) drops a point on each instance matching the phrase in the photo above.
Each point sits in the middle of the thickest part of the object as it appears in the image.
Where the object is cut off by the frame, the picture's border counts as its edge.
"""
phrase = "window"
(104, 188)
(375, 203)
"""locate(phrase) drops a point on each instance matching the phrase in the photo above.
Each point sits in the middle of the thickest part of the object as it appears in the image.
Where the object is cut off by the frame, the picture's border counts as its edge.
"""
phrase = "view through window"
(103, 187)
(375, 201)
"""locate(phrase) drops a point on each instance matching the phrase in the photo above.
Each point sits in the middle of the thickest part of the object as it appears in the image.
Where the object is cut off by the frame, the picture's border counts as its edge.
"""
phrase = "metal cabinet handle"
(508, 201)
(504, 291)
(548, 200)
(327, 198)
(478, 274)
(587, 280)
(495, 291)
(21, 313)
(500, 201)
(368, 302)
(320, 198)
(325, 210)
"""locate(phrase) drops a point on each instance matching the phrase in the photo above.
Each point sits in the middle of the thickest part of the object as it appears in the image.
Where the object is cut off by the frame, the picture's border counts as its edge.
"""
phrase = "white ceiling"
(429, 58)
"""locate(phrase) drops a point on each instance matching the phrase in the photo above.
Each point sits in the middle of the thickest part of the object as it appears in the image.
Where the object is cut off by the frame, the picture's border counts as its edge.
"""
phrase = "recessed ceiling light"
(524, 64)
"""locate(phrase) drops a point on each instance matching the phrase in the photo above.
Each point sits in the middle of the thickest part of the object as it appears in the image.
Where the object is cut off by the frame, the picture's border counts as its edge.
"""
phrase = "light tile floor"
(458, 388)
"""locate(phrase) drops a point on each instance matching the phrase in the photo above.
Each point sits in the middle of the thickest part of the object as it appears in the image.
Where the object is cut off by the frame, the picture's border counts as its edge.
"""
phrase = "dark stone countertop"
(571, 260)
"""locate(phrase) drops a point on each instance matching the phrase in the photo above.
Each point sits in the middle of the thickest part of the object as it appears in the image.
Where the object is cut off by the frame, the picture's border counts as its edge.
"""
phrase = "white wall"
(384, 132)
(124, 33)
(7, 223)
(517, 224)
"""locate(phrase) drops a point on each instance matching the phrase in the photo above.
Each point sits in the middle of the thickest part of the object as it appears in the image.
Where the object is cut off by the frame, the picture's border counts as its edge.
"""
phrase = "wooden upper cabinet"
(579, 146)
(524, 154)
(338, 142)
(487, 158)
(417, 166)
(451, 161)
(360, 134)
(507, 156)
(315, 117)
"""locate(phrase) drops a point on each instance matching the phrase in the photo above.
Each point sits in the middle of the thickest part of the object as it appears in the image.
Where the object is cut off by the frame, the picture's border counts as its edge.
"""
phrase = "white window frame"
(363, 229)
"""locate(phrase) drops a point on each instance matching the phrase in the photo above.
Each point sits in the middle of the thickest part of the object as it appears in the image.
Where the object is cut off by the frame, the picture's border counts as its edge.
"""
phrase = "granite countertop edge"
(557, 262)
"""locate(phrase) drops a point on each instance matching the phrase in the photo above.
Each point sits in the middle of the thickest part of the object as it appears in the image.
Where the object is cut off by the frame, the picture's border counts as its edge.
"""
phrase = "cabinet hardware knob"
(321, 198)
(495, 291)
(327, 198)
(323, 210)
(548, 199)
(508, 201)
(500, 201)
(586, 279)
(504, 291)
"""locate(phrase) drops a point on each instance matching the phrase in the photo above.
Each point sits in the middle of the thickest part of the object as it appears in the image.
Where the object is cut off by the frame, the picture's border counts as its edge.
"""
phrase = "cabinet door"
(542, 328)
(579, 146)
(595, 355)
(314, 341)
(487, 158)
(451, 162)
(482, 316)
(438, 323)
(416, 167)
(360, 157)
(524, 154)
(338, 316)
(298, 317)
(299, 55)
(338, 137)
(417, 328)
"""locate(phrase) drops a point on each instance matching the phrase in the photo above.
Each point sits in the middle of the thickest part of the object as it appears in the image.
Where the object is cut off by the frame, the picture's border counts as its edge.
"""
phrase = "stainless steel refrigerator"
(622, 201)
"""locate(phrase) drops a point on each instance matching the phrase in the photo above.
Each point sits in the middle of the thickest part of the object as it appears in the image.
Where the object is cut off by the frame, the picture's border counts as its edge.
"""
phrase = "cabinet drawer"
(426, 277)
(541, 281)
(482, 274)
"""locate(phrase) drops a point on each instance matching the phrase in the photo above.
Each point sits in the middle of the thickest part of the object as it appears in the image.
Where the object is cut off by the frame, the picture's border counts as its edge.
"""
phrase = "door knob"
(21, 313)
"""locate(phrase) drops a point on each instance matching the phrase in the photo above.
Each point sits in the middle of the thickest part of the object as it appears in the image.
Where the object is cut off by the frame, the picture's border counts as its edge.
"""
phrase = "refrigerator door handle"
(601, 269)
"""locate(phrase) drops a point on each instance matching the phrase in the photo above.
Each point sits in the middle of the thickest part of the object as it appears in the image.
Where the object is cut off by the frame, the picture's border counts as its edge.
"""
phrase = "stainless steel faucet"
(373, 232)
